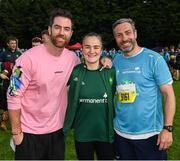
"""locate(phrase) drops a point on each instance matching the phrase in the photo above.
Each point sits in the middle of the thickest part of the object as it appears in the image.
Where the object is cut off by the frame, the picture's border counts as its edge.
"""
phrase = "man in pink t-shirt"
(37, 95)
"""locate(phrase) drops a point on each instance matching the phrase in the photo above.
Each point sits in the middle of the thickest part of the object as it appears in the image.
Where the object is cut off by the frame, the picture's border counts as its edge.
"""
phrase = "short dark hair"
(60, 12)
(44, 32)
(123, 20)
(10, 38)
(36, 39)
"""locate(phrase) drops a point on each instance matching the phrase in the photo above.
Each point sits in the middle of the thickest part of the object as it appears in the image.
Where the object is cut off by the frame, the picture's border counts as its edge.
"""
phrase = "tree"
(157, 21)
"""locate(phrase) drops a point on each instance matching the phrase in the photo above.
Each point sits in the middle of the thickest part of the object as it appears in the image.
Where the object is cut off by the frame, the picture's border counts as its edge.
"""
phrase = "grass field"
(173, 153)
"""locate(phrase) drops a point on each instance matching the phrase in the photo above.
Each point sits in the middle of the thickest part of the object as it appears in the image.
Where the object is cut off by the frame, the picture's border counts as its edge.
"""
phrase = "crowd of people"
(172, 58)
(112, 100)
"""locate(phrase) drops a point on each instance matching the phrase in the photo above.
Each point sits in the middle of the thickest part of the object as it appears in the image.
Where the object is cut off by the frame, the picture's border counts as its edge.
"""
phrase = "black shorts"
(41, 147)
(143, 149)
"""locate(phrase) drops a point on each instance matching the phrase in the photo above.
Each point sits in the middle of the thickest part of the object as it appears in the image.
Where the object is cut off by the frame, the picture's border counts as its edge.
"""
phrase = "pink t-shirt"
(42, 96)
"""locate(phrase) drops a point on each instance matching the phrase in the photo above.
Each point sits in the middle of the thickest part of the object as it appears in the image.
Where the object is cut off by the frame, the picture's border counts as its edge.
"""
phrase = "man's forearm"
(14, 116)
(170, 107)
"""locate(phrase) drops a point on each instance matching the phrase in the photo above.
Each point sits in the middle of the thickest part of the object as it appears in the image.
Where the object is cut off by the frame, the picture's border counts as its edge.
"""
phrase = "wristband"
(13, 133)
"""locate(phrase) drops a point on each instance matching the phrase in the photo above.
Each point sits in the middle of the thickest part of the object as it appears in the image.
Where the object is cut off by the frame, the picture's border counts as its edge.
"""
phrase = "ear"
(135, 34)
(72, 33)
(49, 30)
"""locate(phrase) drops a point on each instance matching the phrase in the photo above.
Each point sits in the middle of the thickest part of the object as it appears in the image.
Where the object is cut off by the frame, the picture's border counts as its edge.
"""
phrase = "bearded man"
(37, 95)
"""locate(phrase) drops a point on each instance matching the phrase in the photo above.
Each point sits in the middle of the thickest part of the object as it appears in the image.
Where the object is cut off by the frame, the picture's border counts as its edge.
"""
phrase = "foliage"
(174, 151)
(157, 20)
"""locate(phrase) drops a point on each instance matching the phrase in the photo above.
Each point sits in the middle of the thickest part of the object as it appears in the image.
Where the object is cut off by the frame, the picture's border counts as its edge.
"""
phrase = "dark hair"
(10, 38)
(36, 39)
(123, 20)
(44, 32)
(93, 34)
(60, 12)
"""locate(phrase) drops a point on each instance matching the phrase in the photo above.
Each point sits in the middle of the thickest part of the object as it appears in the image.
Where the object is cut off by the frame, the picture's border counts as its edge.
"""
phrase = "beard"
(59, 43)
(127, 49)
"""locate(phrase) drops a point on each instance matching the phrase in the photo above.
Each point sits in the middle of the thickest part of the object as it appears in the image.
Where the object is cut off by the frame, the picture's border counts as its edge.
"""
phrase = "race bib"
(126, 93)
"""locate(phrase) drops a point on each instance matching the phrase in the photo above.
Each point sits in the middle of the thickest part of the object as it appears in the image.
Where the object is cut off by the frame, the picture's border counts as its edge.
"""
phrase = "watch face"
(169, 128)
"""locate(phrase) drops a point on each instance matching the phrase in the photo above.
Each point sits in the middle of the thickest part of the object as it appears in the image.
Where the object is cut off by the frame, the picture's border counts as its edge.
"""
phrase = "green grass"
(173, 153)
(70, 147)
(5, 150)
(7, 154)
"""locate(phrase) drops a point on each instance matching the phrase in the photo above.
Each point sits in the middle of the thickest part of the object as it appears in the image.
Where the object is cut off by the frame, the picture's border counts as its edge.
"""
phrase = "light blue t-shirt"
(139, 104)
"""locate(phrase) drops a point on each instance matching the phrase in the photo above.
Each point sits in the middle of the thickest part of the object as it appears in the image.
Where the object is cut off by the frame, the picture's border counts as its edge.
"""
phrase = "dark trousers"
(145, 149)
(41, 147)
(3, 97)
(86, 150)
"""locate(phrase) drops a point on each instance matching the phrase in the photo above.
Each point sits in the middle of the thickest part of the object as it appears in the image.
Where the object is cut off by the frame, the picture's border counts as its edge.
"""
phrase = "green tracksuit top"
(90, 108)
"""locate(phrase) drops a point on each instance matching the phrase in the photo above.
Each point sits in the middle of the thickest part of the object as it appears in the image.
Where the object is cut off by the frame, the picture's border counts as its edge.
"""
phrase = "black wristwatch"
(168, 128)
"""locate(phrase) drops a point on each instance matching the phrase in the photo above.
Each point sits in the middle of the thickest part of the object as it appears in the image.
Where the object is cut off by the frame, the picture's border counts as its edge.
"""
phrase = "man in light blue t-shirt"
(142, 130)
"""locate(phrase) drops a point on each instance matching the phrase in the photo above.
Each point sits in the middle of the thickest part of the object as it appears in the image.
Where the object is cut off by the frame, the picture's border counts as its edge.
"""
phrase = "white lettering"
(93, 101)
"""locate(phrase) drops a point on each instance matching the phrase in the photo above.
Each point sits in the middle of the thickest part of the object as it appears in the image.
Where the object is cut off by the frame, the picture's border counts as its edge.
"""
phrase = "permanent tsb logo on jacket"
(95, 101)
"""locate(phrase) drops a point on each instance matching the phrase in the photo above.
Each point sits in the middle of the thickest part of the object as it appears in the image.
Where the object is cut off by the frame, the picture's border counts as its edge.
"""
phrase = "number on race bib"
(124, 97)
(127, 97)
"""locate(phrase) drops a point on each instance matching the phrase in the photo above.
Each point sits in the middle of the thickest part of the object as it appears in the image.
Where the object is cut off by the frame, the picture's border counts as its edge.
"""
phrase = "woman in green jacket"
(90, 110)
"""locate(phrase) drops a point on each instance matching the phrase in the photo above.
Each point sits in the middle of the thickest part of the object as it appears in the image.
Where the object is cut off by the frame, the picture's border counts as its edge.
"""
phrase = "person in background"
(3, 114)
(37, 95)
(172, 61)
(36, 41)
(7, 61)
(45, 36)
(142, 131)
(177, 63)
(166, 55)
(91, 111)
